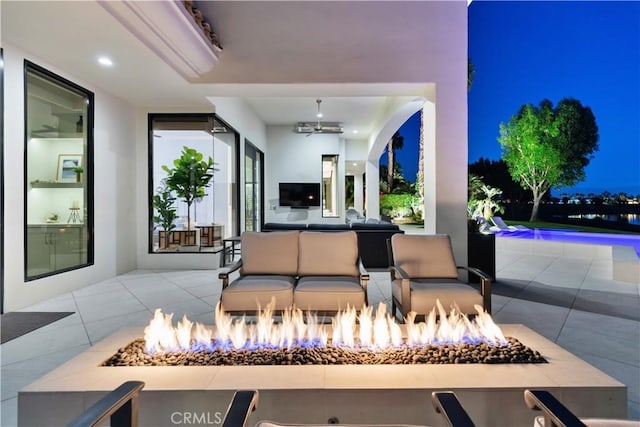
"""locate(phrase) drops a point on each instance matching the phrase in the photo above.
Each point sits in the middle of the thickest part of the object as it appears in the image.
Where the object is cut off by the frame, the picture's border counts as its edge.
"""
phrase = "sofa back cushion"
(328, 254)
(270, 253)
(424, 256)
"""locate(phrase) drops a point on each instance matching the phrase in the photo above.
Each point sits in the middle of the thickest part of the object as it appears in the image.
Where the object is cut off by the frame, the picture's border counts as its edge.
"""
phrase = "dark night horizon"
(524, 52)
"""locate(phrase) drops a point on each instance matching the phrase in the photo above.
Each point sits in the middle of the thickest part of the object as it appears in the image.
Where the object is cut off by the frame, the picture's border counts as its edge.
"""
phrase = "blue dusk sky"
(524, 52)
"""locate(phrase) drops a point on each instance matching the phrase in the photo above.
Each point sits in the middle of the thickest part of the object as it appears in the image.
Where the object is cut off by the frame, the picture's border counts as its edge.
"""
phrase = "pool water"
(573, 236)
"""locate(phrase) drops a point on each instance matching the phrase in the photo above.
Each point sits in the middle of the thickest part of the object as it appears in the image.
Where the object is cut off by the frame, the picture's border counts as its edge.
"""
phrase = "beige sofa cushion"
(275, 252)
(328, 254)
(328, 293)
(424, 255)
(425, 292)
(248, 293)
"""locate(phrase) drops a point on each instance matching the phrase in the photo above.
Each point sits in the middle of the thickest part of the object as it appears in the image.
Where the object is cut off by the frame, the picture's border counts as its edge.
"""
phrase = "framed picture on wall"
(66, 167)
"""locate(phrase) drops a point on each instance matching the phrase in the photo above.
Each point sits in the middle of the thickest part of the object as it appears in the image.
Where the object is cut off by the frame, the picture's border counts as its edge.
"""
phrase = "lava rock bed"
(515, 352)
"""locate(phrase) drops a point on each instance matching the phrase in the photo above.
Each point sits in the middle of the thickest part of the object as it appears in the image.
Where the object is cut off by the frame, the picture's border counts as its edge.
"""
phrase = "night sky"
(524, 52)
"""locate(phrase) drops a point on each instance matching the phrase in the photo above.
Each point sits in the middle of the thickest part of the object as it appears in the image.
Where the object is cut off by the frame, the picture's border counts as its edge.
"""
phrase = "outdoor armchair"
(423, 270)
(500, 225)
(555, 414)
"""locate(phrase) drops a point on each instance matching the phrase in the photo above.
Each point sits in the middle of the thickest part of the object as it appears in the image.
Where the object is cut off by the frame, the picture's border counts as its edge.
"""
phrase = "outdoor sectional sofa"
(372, 237)
(310, 270)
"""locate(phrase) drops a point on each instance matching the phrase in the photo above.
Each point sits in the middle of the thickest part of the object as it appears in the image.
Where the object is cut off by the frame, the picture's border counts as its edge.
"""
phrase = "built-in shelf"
(56, 184)
(53, 135)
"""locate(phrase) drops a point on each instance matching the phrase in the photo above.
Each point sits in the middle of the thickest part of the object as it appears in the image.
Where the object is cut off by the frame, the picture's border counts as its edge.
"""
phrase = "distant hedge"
(395, 205)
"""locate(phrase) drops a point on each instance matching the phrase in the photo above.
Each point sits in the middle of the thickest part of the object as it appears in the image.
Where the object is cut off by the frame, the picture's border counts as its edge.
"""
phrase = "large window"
(193, 167)
(253, 187)
(330, 185)
(58, 174)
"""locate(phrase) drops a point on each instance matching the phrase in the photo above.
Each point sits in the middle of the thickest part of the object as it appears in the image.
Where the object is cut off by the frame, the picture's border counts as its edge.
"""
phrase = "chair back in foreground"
(244, 402)
(424, 271)
(555, 414)
(447, 404)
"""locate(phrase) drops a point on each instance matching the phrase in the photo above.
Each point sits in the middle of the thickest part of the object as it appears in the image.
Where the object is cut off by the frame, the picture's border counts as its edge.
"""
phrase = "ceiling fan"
(311, 128)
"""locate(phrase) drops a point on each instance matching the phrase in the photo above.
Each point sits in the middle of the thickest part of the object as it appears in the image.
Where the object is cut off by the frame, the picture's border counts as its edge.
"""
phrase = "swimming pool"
(572, 236)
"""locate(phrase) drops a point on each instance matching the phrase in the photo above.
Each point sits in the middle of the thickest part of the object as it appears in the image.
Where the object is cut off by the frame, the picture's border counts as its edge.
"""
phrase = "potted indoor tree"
(190, 176)
(165, 213)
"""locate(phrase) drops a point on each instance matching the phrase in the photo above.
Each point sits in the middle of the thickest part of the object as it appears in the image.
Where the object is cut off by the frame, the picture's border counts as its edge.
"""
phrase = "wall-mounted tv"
(299, 194)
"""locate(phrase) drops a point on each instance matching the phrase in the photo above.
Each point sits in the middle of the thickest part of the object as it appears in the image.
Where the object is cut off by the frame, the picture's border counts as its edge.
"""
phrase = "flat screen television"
(299, 194)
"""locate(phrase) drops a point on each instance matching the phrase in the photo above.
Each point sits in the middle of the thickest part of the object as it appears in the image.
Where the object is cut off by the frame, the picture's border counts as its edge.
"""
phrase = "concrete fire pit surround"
(193, 395)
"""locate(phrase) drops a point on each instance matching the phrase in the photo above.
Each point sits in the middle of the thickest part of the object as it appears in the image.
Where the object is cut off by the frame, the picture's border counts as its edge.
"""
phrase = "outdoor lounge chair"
(556, 414)
(500, 225)
(424, 271)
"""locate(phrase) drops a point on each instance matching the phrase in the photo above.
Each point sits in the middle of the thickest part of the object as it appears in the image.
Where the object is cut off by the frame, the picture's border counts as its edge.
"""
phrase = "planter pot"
(482, 254)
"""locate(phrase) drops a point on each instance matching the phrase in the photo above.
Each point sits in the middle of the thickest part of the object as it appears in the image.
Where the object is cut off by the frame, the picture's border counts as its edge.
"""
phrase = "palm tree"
(395, 143)
(471, 70)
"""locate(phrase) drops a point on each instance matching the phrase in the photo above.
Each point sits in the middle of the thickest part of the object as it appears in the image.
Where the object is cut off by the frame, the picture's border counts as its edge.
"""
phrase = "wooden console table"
(210, 235)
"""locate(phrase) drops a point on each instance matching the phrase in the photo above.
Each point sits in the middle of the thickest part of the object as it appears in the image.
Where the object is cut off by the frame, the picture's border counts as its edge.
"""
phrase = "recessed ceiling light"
(355, 164)
(355, 131)
(105, 61)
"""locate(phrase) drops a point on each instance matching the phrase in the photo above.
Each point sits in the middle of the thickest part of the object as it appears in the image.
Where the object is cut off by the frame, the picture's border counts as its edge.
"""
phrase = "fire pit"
(352, 338)
(356, 394)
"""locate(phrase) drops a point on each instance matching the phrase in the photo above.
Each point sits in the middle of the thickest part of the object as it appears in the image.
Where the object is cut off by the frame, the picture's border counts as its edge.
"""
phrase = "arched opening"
(378, 145)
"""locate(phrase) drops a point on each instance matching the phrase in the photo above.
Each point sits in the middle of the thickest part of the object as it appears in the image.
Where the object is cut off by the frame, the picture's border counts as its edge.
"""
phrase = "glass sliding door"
(192, 183)
(253, 187)
(58, 174)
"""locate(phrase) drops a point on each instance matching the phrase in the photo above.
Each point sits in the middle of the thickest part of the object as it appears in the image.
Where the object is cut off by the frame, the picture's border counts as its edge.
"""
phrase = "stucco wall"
(114, 200)
(297, 158)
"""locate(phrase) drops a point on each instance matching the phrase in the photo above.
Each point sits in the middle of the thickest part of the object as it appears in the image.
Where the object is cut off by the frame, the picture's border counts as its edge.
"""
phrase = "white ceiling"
(279, 56)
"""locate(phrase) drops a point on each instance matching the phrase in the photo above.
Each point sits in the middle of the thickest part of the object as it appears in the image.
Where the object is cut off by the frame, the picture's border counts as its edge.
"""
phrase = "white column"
(430, 168)
(372, 199)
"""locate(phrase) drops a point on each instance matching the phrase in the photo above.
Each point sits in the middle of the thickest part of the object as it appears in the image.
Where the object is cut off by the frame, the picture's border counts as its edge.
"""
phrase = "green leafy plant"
(485, 206)
(396, 205)
(165, 211)
(190, 176)
(77, 169)
(481, 205)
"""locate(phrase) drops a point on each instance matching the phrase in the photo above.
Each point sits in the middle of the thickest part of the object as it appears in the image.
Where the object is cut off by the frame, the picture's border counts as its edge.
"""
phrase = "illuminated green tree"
(546, 147)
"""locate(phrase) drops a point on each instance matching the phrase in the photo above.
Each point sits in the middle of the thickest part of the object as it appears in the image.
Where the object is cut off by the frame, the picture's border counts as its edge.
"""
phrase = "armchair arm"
(398, 272)
(364, 278)
(447, 404)
(224, 275)
(555, 413)
(485, 285)
(120, 405)
(405, 285)
(243, 404)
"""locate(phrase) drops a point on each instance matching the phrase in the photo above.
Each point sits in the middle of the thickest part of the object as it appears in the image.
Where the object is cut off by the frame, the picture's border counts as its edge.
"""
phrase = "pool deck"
(624, 259)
